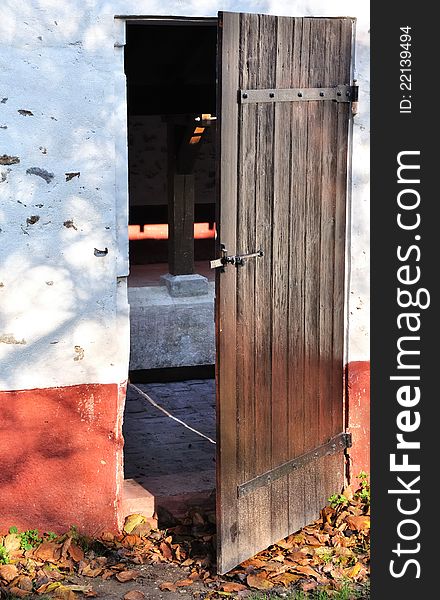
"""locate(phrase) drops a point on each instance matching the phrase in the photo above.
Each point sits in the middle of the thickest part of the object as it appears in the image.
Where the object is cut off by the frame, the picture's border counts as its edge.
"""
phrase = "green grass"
(4, 556)
(348, 592)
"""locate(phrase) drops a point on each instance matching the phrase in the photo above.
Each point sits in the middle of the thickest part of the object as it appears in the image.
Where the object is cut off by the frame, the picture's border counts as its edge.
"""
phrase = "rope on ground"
(151, 401)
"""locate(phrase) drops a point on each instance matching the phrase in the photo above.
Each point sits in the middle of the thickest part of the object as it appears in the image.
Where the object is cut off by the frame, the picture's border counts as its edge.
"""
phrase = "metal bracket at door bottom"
(336, 444)
(239, 260)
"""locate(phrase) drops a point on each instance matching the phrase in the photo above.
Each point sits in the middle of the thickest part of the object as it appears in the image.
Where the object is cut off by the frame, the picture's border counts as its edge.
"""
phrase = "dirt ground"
(150, 577)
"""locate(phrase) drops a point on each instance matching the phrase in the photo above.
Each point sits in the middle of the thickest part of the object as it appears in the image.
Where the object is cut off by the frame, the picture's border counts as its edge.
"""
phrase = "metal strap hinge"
(336, 444)
(339, 93)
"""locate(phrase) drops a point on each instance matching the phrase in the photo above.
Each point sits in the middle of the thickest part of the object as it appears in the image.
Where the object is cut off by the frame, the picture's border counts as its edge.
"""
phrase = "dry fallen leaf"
(275, 567)
(133, 521)
(184, 582)
(131, 540)
(327, 514)
(353, 571)
(65, 547)
(48, 552)
(134, 595)
(258, 582)
(348, 493)
(76, 553)
(85, 589)
(16, 592)
(308, 586)
(166, 551)
(64, 593)
(12, 542)
(168, 586)
(107, 574)
(127, 575)
(288, 543)
(297, 555)
(360, 523)
(24, 583)
(312, 540)
(89, 571)
(255, 563)
(142, 529)
(286, 579)
(305, 570)
(8, 572)
(231, 586)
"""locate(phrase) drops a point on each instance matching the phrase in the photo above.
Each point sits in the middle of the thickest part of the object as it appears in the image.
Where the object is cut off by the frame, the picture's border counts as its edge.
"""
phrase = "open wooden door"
(284, 113)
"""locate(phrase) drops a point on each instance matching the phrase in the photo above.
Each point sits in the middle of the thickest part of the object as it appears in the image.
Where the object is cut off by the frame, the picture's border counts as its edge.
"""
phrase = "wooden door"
(280, 318)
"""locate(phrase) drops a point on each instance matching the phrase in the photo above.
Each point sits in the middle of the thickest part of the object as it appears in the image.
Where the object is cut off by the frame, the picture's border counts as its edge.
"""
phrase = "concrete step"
(138, 500)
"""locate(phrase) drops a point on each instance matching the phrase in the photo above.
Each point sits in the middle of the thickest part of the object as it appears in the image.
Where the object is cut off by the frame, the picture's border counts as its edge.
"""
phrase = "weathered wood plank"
(265, 162)
(246, 228)
(226, 398)
(341, 169)
(343, 136)
(297, 274)
(327, 402)
(281, 252)
(312, 260)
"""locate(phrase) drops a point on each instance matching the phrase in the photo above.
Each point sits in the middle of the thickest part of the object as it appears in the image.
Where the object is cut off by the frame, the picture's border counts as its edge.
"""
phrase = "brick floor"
(166, 458)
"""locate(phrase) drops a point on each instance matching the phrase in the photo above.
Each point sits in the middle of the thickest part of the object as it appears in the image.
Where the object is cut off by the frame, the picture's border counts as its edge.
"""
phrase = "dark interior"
(171, 71)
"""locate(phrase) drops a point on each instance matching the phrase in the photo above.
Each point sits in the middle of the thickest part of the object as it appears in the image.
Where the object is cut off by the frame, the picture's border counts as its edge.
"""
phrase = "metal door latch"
(239, 260)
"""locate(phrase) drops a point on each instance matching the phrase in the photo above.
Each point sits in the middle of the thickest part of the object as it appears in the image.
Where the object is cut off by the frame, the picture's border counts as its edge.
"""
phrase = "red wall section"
(61, 458)
(358, 415)
(61, 453)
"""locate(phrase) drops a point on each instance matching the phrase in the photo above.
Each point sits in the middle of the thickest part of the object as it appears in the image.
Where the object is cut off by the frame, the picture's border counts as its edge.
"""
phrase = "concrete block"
(138, 500)
(185, 285)
(168, 331)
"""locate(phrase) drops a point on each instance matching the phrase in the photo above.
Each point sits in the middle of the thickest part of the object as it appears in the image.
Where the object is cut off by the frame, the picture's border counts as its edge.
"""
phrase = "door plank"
(246, 282)
(330, 410)
(343, 136)
(226, 399)
(296, 324)
(280, 271)
(263, 276)
(312, 78)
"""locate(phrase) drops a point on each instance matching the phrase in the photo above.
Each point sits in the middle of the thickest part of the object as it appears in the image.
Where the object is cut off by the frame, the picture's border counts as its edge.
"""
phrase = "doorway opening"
(169, 420)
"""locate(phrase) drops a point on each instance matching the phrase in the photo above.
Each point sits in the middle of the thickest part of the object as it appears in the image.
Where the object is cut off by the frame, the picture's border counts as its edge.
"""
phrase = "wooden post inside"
(180, 213)
(181, 224)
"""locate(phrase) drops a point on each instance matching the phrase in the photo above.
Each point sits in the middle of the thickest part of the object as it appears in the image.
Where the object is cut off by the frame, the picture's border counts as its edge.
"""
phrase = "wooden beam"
(180, 211)
(181, 224)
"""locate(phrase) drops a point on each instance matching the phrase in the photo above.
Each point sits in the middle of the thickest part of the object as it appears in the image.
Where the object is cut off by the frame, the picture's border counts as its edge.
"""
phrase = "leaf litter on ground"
(327, 553)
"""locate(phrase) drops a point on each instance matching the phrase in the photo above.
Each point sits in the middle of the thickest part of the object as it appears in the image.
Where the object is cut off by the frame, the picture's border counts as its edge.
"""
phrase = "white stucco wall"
(63, 310)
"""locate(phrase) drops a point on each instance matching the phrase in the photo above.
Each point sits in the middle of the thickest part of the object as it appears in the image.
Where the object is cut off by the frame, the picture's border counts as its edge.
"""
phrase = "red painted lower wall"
(358, 415)
(61, 458)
